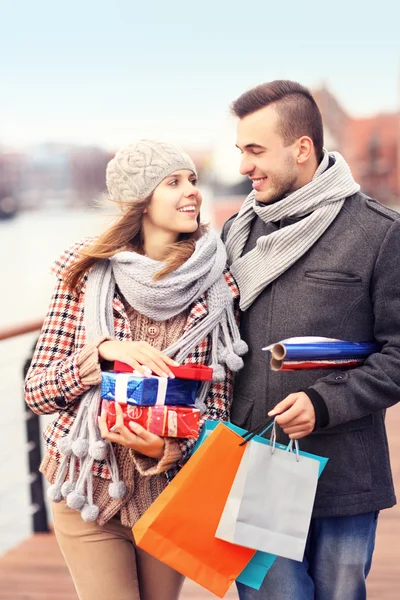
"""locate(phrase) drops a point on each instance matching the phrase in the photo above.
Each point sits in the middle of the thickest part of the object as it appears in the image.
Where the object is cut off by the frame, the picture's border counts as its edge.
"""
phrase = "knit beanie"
(135, 171)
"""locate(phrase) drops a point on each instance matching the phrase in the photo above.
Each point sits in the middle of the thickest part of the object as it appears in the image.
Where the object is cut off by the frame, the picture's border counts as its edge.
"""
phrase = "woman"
(150, 292)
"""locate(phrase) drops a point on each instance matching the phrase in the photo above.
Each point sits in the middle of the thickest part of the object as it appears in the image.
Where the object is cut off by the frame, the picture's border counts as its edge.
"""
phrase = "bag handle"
(296, 448)
(262, 429)
(289, 447)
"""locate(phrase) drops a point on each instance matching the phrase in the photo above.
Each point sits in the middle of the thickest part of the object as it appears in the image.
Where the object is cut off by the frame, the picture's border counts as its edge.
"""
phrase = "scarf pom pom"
(54, 493)
(240, 347)
(65, 446)
(80, 447)
(90, 512)
(67, 487)
(218, 373)
(201, 406)
(75, 500)
(117, 490)
(234, 362)
(98, 450)
(223, 353)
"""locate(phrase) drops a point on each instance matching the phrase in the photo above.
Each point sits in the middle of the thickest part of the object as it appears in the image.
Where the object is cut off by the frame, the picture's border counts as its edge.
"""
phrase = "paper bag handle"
(263, 428)
(260, 430)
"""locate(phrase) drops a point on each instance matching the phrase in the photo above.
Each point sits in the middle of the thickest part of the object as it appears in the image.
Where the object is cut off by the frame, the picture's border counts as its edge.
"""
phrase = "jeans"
(336, 563)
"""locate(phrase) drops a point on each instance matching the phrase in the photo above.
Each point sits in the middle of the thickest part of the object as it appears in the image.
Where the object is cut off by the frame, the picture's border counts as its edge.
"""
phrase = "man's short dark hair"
(297, 109)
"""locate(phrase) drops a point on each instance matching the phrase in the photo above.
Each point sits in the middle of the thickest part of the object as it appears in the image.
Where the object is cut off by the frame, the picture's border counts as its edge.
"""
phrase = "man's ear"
(305, 149)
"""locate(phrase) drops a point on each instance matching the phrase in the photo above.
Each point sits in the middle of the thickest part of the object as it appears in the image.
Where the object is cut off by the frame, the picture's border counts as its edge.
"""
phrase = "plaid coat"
(53, 384)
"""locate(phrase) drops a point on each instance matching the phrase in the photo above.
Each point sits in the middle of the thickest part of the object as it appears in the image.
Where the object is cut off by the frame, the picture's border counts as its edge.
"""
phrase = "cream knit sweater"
(144, 477)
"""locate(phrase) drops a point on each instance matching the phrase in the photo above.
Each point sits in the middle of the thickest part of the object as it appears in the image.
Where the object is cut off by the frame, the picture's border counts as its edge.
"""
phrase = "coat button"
(339, 377)
(153, 331)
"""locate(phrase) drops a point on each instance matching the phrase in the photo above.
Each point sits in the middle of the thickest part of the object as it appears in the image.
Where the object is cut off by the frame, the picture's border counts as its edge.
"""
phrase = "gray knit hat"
(135, 171)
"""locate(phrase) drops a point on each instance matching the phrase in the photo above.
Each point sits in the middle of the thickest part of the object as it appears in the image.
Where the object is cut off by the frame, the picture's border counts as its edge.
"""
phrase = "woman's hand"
(138, 355)
(136, 437)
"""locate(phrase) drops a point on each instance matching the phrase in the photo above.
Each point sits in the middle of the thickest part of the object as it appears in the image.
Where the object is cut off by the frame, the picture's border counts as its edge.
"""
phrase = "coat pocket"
(241, 411)
(355, 425)
(334, 277)
(348, 469)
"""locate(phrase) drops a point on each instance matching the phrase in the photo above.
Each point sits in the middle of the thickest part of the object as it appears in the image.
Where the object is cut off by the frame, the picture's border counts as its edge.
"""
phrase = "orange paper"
(179, 527)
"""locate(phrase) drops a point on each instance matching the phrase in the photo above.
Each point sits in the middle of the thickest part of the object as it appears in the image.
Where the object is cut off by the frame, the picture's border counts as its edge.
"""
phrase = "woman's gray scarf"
(159, 300)
(319, 202)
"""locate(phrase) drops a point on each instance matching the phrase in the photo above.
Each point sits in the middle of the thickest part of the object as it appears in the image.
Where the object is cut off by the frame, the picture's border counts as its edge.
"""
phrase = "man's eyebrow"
(252, 145)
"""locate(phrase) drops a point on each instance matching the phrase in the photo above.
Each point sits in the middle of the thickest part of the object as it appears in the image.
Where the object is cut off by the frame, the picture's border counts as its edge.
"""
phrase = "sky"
(107, 73)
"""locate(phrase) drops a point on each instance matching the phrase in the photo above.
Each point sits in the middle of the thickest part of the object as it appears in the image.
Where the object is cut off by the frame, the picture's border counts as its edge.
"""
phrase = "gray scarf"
(159, 300)
(321, 200)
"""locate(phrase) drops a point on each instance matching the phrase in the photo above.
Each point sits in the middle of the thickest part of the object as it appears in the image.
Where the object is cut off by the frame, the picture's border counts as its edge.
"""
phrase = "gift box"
(147, 391)
(166, 421)
(188, 371)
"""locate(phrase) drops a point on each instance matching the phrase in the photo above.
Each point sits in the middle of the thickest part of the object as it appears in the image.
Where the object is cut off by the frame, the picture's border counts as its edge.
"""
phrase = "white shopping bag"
(271, 505)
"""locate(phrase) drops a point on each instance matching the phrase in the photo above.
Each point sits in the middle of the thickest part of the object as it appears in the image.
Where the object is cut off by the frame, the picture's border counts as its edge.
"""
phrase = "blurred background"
(80, 79)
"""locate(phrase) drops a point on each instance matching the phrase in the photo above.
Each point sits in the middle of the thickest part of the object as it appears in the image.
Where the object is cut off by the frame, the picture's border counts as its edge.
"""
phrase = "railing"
(12, 331)
(37, 508)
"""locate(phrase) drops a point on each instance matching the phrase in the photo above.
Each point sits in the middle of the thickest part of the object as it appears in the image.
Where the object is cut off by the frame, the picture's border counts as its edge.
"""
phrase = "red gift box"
(166, 421)
(188, 371)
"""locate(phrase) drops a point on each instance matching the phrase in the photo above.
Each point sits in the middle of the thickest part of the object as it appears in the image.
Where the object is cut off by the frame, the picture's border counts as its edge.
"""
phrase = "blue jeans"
(336, 563)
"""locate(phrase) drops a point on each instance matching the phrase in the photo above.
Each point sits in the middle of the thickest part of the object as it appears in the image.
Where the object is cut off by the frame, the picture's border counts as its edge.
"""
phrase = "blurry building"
(371, 146)
(45, 177)
(60, 176)
(88, 174)
(10, 183)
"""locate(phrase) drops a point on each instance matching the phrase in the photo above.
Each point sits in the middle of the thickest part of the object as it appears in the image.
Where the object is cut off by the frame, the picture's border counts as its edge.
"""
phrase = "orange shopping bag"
(179, 527)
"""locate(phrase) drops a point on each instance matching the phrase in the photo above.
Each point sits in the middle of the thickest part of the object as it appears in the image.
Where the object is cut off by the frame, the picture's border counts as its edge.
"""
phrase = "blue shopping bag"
(254, 573)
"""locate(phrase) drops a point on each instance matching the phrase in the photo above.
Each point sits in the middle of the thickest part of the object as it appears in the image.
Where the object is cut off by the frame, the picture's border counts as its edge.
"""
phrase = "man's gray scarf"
(160, 300)
(319, 202)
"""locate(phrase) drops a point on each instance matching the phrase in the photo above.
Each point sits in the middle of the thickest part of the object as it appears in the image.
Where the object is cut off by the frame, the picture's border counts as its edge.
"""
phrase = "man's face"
(270, 165)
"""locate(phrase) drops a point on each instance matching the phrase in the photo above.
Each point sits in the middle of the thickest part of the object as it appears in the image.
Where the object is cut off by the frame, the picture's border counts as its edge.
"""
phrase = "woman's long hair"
(127, 234)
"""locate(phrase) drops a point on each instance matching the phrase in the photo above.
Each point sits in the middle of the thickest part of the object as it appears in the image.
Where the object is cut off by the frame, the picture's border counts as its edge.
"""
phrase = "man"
(314, 256)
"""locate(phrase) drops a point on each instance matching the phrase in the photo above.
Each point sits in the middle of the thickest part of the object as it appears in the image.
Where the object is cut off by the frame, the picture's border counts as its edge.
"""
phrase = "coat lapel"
(198, 311)
(121, 321)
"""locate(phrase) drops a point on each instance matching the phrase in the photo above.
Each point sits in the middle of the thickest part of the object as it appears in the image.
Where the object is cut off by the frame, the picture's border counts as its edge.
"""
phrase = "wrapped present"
(188, 371)
(147, 391)
(300, 365)
(166, 421)
(317, 348)
(311, 352)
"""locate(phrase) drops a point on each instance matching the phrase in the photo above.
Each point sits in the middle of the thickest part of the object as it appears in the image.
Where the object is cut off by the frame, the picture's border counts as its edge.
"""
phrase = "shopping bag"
(211, 424)
(270, 507)
(179, 527)
(254, 573)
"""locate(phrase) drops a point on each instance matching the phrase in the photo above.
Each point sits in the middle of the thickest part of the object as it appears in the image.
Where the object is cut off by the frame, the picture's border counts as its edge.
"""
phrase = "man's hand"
(296, 415)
